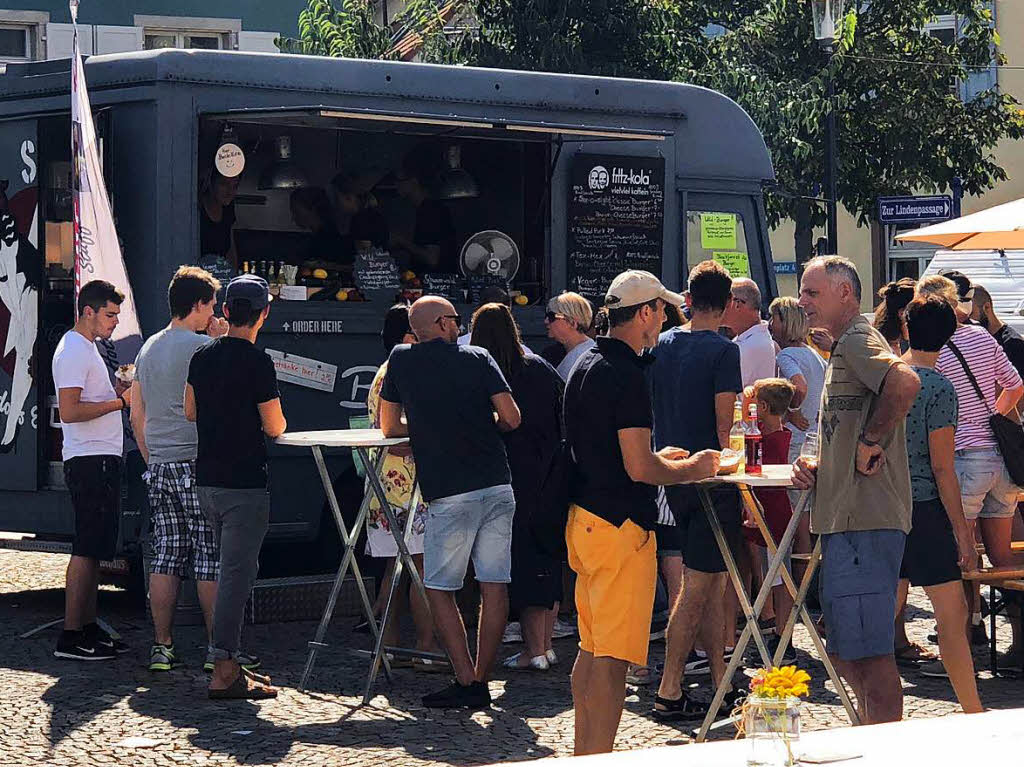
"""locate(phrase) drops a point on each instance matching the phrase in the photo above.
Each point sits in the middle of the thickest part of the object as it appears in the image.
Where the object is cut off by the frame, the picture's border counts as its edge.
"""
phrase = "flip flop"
(240, 689)
(913, 655)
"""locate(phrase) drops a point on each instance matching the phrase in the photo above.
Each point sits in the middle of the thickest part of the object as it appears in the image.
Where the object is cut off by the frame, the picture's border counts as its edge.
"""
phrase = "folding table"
(774, 477)
(361, 441)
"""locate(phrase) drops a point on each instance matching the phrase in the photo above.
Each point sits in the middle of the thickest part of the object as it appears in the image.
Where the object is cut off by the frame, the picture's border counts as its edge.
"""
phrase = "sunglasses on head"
(552, 316)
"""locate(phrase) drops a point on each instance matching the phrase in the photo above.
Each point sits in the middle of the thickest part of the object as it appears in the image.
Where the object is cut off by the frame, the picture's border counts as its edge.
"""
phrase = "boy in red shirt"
(773, 397)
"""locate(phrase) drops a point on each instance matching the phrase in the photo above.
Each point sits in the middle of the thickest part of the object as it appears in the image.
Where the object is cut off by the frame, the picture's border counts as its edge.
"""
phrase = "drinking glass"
(810, 449)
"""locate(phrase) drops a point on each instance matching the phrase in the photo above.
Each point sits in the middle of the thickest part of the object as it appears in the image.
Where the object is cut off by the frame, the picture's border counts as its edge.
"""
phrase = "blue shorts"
(860, 573)
(477, 524)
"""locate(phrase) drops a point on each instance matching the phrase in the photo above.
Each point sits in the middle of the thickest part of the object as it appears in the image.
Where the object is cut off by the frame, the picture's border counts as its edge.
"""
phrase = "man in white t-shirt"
(743, 317)
(90, 414)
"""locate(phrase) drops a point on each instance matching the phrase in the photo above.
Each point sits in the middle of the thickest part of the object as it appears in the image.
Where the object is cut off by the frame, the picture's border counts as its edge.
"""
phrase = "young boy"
(773, 397)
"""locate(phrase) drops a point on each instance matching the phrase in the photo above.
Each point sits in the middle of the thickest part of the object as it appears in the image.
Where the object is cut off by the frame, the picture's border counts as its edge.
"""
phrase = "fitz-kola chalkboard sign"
(616, 219)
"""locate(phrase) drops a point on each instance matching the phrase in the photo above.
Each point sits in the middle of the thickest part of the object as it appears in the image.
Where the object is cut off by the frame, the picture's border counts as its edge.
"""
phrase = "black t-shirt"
(1013, 346)
(446, 391)
(532, 447)
(606, 392)
(230, 378)
(434, 227)
(215, 236)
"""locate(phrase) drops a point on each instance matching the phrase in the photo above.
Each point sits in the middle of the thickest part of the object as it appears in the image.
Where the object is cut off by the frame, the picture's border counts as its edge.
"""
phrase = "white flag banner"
(97, 250)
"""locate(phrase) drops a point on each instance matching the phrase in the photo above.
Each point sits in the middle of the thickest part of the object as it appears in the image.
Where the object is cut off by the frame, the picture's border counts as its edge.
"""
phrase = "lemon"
(320, 274)
(341, 295)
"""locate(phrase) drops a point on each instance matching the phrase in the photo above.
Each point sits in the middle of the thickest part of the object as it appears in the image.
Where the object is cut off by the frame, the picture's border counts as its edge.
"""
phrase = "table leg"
(348, 560)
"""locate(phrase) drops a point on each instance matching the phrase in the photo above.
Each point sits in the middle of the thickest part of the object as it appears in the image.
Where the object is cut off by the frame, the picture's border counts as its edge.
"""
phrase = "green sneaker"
(163, 658)
(246, 660)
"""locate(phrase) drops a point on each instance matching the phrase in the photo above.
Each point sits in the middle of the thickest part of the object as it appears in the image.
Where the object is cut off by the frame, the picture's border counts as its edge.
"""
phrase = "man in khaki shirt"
(863, 500)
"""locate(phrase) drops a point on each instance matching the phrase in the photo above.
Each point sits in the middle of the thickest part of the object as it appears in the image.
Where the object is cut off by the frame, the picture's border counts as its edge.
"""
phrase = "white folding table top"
(772, 475)
(340, 438)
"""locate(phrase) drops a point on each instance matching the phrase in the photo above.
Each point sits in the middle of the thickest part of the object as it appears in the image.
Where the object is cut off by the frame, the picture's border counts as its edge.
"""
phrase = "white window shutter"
(60, 40)
(111, 39)
(259, 42)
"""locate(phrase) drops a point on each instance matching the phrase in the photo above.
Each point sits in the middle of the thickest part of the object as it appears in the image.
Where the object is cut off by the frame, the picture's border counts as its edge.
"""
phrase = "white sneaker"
(552, 658)
(562, 629)
(539, 663)
(513, 633)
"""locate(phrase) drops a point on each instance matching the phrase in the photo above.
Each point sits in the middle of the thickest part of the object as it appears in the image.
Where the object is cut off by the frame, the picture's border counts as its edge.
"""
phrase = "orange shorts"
(616, 574)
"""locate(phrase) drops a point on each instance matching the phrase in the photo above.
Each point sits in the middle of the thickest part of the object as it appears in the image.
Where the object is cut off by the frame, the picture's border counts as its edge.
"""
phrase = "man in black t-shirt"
(456, 403)
(612, 547)
(231, 393)
(984, 314)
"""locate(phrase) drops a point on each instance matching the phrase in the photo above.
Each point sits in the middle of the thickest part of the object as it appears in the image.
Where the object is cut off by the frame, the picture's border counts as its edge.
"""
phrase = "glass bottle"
(738, 433)
(752, 441)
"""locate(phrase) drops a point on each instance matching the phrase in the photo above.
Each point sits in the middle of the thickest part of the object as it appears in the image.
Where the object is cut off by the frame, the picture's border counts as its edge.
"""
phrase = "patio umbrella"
(998, 228)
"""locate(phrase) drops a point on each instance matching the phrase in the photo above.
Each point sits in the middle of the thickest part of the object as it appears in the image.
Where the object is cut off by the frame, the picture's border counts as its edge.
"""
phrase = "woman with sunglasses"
(568, 319)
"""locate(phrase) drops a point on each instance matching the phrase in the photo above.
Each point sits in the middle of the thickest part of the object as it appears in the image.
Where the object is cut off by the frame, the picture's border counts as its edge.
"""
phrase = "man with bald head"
(456, 405)
(743, 318)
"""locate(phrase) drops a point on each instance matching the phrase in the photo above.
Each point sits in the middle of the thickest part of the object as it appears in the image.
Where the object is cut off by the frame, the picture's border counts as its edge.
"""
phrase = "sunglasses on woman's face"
(550, 317)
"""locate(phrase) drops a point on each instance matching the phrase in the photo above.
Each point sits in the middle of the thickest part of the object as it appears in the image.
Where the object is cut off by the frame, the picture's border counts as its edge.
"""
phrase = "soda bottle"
(752, 441)
(738, 434)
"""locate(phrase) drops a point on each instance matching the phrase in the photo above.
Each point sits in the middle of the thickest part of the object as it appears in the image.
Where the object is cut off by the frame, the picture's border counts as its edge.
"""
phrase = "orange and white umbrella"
(998, 228)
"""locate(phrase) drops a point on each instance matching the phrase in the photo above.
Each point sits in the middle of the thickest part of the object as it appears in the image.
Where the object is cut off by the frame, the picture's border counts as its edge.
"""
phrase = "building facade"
(878, 256)
(32, 30)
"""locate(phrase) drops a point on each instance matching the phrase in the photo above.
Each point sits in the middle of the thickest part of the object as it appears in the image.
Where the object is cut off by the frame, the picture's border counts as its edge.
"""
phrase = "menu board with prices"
(376, 270)
(616, 219)
(445, 284)
(480, 282)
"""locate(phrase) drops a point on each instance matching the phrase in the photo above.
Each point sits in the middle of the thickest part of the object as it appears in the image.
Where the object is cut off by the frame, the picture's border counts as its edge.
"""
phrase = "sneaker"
(979, 636)
(514, 633)
(538, 663)
(1010, 660)
(245, 660)
(552, 658)
(772, 643)
(658, 627)
(563, 629)
(101, 637)
(163, 658)
(475, 695)
(74, 645)
(934, 669)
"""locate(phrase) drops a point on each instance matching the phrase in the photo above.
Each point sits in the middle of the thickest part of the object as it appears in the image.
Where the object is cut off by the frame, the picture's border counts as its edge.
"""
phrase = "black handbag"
(1008, 433)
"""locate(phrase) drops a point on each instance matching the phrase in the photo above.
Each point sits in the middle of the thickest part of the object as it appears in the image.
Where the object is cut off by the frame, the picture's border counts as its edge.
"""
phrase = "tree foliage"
(903, 124)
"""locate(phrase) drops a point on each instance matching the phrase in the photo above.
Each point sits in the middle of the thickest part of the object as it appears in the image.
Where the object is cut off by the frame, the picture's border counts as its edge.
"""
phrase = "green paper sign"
(718, 231)
(737, 263)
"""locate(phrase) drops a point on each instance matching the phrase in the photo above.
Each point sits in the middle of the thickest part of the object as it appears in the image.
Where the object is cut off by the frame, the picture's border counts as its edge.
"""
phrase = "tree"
(903, 126)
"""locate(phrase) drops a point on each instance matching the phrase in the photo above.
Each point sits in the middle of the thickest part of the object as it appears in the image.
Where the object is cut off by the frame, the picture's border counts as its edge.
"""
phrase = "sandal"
(913, 655)
(257, 678)
(638, 676)
(243, 688)
(680, 708)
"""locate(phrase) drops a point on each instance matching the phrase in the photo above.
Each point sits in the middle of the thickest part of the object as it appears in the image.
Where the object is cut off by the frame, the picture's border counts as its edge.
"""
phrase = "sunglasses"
(455, 317)
(552, 316)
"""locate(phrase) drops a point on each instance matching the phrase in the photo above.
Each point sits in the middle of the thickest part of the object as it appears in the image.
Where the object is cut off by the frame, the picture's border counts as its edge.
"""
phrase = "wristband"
(124, 404)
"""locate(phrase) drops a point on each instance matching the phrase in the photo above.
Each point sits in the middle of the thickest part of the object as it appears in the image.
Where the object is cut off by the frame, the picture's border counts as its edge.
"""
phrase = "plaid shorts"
(183, 541)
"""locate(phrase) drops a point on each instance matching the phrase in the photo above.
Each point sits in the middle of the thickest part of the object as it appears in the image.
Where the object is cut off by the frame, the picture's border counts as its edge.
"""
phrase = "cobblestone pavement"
(56, 712)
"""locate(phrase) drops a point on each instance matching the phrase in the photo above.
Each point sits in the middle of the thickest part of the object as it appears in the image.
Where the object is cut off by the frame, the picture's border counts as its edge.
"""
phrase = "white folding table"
(361, 442)
(774, 476)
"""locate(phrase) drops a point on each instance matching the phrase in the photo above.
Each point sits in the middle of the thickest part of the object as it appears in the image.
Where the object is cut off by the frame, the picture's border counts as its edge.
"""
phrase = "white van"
(1000, 272)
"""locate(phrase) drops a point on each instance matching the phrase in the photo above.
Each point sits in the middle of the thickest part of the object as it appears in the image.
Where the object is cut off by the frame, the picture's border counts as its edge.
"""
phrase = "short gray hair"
(839, 268)
(748, 290)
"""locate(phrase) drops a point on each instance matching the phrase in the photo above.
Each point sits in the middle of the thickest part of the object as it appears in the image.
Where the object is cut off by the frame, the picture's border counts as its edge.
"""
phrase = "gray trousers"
(239, 519)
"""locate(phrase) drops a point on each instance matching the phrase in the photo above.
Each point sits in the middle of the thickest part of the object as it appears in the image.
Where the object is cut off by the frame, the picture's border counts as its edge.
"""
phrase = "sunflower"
(785, 682)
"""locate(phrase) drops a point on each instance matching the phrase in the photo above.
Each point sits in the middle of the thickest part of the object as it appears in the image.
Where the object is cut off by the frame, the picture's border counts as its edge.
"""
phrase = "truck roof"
(714, 136)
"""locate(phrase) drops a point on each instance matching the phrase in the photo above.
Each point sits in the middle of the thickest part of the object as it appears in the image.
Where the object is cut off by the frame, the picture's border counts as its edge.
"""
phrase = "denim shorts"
(477, 524)
(860, 573)
(985, 484)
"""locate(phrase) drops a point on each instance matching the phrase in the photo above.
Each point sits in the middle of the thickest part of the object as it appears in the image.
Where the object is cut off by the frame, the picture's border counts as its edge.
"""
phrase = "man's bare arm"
(894, 401)
(391, 420)
(138, 419)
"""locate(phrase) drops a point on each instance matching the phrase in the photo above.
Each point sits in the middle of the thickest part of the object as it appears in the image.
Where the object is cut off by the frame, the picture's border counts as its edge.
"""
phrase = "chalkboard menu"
(616, 216)
(445, 284)
(376, 270)
(479, 282)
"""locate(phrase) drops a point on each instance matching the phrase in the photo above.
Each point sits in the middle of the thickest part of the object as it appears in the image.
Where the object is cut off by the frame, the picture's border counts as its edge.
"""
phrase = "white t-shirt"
(77, 364)
(757, 354)
(569, 361)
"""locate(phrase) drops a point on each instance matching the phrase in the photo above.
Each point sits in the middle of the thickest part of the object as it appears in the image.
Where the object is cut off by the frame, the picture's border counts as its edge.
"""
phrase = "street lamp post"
(827, 16)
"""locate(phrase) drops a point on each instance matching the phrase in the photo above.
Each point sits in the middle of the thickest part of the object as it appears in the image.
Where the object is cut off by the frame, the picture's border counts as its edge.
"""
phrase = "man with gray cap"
(612, 547)
(231, 393)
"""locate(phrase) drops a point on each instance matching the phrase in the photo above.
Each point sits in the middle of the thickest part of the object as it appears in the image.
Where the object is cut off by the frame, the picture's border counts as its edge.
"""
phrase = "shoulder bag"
(1009, 434)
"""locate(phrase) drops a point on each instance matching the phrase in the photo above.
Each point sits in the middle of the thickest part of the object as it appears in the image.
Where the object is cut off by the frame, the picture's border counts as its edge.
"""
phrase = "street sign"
(915, 210)
(785, 267)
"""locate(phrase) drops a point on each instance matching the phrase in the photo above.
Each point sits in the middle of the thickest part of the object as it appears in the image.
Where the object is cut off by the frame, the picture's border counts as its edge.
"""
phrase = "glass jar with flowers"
(771, 715)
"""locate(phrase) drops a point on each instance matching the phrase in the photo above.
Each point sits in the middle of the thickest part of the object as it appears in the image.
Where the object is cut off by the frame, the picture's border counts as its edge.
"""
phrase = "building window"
(944, 29)
(161, 38)
(15, 43)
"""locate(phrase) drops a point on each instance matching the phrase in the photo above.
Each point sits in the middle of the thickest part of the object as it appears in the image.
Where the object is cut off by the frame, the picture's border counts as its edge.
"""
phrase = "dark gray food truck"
(363, 182)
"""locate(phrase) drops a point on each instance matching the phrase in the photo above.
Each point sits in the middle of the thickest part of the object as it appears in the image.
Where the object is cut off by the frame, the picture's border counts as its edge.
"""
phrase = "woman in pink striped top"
(989, 495)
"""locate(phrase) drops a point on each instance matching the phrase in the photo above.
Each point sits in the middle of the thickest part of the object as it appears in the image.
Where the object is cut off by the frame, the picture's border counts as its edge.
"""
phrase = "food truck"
(361, 183)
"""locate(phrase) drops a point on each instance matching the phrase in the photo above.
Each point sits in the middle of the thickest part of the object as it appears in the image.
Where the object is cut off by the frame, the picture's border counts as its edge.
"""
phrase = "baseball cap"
(638, 287)
(964, 286)
(251, 288)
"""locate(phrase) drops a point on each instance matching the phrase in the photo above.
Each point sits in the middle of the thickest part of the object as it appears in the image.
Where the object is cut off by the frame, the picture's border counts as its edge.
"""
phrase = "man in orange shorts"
(610, 535)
